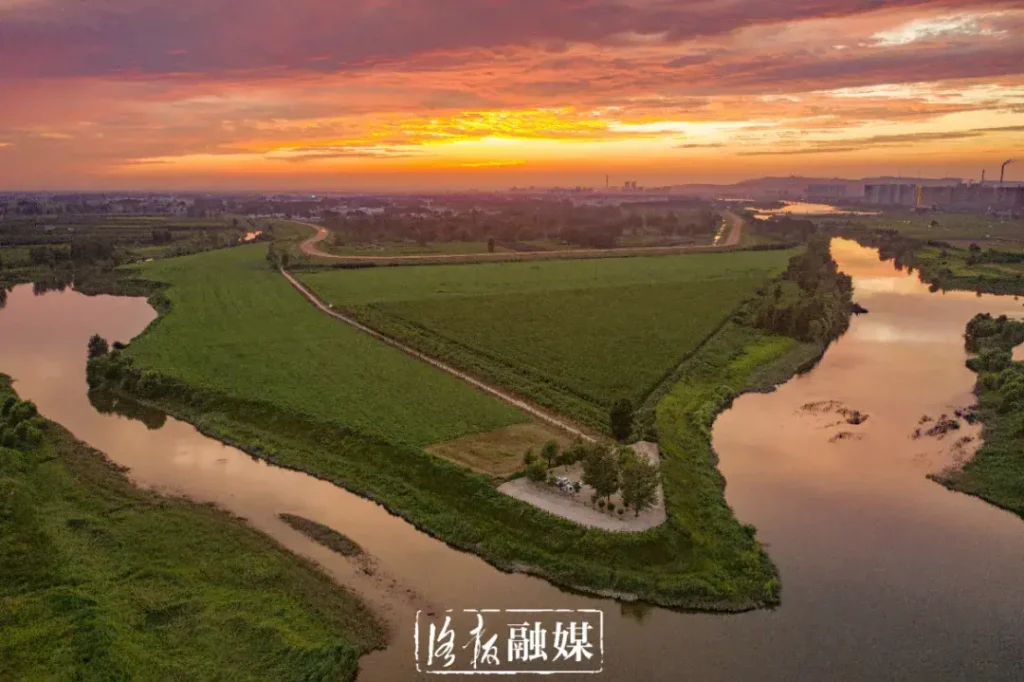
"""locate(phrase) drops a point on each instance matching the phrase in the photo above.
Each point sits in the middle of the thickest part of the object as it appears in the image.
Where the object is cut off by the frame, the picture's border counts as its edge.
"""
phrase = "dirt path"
(310, 248)
(736, 233)
(486, 388)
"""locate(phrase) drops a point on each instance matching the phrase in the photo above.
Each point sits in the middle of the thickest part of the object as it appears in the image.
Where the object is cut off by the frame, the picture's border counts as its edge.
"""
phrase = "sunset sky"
(433, 94)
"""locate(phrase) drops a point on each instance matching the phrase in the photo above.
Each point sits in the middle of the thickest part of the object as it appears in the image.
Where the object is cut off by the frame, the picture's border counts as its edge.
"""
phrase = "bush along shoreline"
(996, 472)
(701, 559)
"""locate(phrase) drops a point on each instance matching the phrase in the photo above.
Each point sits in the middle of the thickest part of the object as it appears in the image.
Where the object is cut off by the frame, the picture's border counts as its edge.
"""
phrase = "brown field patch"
(500, 452)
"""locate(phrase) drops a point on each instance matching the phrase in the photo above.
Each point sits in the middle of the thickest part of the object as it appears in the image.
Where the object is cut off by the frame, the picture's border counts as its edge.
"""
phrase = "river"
(804, 209)
(886, 575)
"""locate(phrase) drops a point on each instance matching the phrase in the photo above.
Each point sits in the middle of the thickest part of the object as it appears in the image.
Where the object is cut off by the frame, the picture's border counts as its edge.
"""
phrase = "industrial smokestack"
(1002, 171)
(983, 176)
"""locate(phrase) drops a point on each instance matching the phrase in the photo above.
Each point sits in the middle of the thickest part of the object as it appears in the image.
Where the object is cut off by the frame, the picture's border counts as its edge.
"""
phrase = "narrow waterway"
(886, 575)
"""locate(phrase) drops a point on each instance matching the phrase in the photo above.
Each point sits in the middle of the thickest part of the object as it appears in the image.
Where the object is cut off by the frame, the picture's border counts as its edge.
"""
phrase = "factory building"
(994, 196)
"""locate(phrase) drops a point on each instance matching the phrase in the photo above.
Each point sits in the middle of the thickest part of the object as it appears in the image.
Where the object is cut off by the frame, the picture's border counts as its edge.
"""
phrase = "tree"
(621, 418)
(490, 245)
(537, 472)
(640, 481)
(601, 472)
(98, 346)
(550, 452)
(530, 457)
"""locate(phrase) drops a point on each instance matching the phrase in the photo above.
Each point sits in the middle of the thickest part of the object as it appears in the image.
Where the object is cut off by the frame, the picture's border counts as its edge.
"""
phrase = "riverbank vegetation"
(102, 580)
(934, 226)
(996, 472)
(52, 251)
(993, 269)
(573, 336)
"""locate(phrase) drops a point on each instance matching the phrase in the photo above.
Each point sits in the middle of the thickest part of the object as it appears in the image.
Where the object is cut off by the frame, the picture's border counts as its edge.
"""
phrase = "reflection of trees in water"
(636, 610)
(54, 280)
(108, 403)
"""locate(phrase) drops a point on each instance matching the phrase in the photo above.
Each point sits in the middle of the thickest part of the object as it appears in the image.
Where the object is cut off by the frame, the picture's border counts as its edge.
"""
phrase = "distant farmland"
(572, 335)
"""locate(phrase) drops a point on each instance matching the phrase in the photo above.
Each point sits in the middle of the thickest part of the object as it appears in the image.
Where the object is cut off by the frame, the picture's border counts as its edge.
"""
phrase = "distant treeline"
(585, 226)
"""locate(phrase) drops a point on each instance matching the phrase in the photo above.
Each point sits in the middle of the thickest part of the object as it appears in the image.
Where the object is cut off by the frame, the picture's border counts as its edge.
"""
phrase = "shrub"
(611, 506)
(22, 411)
(621, 511)
(549, 453)
(530, 457)
(537, 472)
(600, 503)
(98, 346)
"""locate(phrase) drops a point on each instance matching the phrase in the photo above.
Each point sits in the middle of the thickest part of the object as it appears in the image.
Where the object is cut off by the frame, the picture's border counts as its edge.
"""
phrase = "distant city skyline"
(461, 94)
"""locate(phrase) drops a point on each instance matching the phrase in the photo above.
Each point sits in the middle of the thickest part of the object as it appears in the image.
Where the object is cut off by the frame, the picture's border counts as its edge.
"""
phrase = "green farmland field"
(236, 328)
(572, 335)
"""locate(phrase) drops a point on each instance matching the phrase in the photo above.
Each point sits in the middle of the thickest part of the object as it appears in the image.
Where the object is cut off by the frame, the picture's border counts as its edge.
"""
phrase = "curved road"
(486, 388)
(310, 248)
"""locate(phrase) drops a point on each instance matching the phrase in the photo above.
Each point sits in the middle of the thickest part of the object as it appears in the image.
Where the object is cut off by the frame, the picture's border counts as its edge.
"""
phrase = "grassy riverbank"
(701, 558)
(996, 473)
(102, 580)
(985, 267)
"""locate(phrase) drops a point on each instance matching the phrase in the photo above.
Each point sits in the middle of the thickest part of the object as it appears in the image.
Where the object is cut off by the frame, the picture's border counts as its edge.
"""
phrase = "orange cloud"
(219, 92)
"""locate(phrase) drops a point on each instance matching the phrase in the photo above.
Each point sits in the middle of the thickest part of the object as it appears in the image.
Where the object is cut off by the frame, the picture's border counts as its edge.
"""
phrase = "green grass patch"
(237, 329)
(326, 536)
(100, 580)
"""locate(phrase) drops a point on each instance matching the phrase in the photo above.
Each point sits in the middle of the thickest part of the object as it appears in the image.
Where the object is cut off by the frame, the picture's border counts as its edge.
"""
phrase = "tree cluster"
(608, 472)
(818, 307)
(509, 222)
(20, 423)
(987, 332)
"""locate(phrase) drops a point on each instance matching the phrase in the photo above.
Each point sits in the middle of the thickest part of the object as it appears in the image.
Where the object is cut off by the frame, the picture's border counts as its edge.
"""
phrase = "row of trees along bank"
(812, 301)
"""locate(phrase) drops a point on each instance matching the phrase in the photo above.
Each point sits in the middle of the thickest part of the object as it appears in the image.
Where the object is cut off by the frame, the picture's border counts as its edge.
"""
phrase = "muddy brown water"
(886, 575)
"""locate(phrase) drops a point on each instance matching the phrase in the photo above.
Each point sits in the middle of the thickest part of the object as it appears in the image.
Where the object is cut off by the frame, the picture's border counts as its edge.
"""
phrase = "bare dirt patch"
(499, 452)
(578, 507)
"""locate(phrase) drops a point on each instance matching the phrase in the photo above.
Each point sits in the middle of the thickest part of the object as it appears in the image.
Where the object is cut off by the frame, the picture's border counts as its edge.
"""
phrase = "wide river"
(886, 575)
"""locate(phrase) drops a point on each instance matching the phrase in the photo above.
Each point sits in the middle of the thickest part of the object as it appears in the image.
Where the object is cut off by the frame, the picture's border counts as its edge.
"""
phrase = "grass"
(249, 358)
(237, 329)
(951, 226)
(996, 472)
(405, 248)
(102, 580)
(500, 452)
(951, 268)
(326, 536)
(702, 558)
(571, 335)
